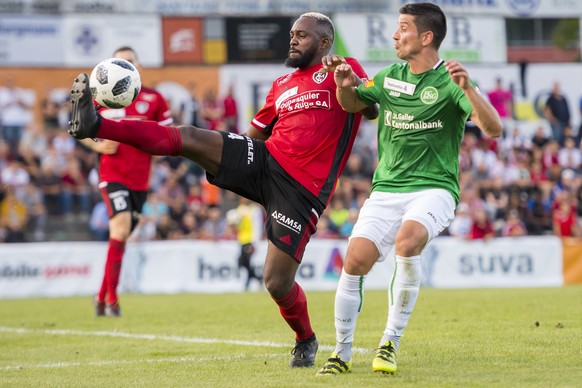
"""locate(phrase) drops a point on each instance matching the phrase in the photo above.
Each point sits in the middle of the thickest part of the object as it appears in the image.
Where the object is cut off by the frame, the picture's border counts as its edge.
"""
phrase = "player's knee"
(355, 265)
(409, 245)
(277, 285)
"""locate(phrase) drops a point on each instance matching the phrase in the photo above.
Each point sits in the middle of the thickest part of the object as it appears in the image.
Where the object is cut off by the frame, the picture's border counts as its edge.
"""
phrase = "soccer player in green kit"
(424, 103)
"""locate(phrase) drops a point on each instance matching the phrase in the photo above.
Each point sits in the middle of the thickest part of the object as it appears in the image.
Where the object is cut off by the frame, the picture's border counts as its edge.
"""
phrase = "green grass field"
(500, 337)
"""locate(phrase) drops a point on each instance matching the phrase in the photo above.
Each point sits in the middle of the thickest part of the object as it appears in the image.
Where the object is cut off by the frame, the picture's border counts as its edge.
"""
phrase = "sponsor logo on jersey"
(307, 100)
(406, 121)
(399, 86)
(287, 222)
(285, 95)
(319, 77)
(284, 79)
(429, 95)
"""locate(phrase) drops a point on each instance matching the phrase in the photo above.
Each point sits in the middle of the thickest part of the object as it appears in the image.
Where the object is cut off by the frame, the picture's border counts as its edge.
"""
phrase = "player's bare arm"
(346, 81)
(329, 64)
(106, 147)
(484, 114)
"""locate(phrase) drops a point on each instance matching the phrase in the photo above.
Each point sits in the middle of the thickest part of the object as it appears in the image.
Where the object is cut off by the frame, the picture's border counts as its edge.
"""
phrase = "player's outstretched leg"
(85, 120)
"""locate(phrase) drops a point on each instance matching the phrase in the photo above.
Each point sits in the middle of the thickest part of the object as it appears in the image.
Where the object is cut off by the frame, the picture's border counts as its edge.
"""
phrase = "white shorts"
(383, 213)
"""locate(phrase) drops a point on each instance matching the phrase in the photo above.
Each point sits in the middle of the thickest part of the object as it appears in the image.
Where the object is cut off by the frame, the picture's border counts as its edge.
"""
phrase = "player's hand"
(458, 74)
(330, 62)
(344, 76)
(109, 147)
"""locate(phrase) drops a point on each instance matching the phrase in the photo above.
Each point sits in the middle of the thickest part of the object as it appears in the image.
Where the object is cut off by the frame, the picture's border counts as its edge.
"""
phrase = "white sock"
(349, 299)
(402, 296)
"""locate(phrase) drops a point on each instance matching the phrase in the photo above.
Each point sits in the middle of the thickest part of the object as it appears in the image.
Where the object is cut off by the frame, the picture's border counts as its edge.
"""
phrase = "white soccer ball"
(115, 83)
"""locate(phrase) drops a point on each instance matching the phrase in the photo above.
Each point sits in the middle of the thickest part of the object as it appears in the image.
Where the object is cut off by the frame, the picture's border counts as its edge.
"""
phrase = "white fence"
(66, 269)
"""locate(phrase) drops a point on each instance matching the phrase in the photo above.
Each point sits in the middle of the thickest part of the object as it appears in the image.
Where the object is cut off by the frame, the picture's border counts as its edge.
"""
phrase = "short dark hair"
(125, 48)
(324, 22)
(428, 17)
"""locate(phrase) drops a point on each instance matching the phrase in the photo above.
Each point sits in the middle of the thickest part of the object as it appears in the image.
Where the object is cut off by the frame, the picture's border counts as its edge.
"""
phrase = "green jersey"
(420, 127)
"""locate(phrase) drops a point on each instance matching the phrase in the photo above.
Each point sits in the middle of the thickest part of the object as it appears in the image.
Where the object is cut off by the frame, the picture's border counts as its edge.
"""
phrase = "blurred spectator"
(37, 213)
(515, 141)
(557, 112)
(323, 228)
(570, 156)
(338, 214)
(33, 145)
(173, 194)
(538, 213)
(99, 222)
(190, 109)
(154, 208)
(482, 227)
(550, 161)
(50, 114)
(50, 183)
(166, 227)
(462, 223)
(502, 100)
(539, 138)
(346, 229)
(564, 218)
(230, 111)
(187, 227)
(16, 111)
(13, 218)
(211, 194)
(496, 199)
(483, 160)
(15, 177)
(212, 111)
(194, 198)
(513, 226)
(214, 226)
(76, 190)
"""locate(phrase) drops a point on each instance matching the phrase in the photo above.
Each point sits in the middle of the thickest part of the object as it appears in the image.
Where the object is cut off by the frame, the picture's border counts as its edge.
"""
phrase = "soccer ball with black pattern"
(115, 83)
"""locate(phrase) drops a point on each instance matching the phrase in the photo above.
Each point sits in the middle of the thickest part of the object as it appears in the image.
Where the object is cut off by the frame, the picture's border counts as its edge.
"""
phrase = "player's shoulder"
(283, 79)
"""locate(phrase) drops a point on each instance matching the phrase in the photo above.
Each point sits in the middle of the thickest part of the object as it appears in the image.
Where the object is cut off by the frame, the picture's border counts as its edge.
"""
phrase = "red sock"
(293, 308)
(113, 268)
(147, 136)
(103, 289)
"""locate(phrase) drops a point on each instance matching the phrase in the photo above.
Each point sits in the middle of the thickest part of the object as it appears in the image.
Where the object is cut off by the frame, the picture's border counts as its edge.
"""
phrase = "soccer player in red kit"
(289, 162)
(124, 181)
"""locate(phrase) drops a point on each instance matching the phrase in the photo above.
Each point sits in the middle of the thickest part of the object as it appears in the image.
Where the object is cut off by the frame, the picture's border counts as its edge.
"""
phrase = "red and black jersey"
(129, 165)
(311, 136)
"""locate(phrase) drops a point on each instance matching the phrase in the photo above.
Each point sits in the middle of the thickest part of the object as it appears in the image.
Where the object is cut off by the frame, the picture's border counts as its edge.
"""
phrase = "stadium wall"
(182, 266)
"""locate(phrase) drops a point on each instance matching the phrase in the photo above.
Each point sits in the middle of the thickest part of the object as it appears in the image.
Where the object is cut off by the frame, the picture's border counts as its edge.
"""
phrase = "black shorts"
(248, 169)
(118, 198)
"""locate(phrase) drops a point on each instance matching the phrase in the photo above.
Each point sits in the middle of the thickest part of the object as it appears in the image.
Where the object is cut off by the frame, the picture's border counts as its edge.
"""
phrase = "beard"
(304, 60)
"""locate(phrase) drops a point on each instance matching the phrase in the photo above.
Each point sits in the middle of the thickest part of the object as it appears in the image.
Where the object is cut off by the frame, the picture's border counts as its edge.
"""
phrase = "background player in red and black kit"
(296, 149)
(124, 181)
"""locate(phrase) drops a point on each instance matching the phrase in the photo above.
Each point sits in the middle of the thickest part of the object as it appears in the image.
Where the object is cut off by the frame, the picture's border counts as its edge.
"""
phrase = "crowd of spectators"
(517, 185)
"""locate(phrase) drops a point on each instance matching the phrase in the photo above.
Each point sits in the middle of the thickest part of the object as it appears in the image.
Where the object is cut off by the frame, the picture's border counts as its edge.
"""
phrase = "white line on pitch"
(165, 338)
(138, 361)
